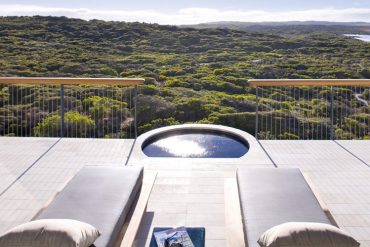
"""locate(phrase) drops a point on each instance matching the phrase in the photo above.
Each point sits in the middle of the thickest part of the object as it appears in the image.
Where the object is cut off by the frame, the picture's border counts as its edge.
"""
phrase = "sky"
(194, 11)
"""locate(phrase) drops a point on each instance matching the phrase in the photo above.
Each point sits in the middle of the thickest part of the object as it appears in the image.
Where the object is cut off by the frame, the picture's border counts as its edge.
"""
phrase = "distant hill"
(291, 27)
(192, 75)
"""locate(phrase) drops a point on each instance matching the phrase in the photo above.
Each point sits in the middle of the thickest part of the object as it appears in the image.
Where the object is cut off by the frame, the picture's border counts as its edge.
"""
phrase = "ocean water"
(362, 37)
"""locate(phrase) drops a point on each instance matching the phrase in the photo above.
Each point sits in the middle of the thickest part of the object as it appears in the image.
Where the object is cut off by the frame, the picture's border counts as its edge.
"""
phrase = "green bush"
(76, 125)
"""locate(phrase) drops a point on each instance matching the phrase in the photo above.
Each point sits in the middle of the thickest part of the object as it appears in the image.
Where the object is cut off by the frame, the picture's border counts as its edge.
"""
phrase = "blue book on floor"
(197, 235)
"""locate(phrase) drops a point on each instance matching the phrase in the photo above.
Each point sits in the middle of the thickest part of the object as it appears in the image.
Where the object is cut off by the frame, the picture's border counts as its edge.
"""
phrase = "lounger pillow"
(307, 234)
(50, 232)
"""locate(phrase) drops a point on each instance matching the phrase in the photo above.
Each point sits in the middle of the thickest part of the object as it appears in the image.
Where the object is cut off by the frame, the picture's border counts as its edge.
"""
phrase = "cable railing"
(323, 109)
(68, 107)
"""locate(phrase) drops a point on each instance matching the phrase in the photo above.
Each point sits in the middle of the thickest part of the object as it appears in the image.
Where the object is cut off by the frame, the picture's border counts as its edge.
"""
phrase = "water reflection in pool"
(196, 145)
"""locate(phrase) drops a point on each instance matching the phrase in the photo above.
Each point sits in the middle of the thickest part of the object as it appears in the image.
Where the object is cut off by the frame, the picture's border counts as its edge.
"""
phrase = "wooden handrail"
(308, 82)
(75, 81)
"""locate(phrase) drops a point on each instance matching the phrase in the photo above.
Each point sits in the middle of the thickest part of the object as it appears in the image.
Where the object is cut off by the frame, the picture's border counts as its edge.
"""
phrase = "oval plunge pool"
(195, 143)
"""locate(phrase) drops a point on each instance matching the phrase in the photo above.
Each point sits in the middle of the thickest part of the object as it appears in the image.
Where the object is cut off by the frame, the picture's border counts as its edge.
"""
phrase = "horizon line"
(202, 23)
(192, 16)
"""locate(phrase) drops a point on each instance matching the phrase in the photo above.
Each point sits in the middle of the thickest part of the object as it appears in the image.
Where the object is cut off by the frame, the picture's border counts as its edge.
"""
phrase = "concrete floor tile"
(206, 208)
(204, 220)
(215, 243)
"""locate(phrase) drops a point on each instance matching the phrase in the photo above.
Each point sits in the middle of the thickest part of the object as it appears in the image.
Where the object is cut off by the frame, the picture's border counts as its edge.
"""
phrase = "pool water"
(196, 145)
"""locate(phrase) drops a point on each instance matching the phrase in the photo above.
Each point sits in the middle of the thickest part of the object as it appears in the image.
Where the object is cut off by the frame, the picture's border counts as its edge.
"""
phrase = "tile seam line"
(358, 158)
(130, 153)
(268, 155)
(29, 167)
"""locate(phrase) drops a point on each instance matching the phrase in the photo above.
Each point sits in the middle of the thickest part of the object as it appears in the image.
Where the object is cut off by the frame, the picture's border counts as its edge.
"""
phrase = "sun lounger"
(101, 196)
(272, 196)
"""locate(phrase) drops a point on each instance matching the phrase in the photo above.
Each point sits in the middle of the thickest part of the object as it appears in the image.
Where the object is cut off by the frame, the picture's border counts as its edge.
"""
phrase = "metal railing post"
(61, 110)
(135, 112)
(331, 113)
(256, 123)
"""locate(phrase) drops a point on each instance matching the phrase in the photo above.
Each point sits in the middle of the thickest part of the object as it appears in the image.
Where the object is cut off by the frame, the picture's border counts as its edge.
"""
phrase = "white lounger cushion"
(100, 196)
(273, 196)
(306, 234)
(50, 232)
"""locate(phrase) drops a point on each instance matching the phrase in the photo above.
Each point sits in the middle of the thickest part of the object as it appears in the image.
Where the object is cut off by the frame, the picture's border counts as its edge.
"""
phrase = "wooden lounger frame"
(129, 232)
(132, 224)
(233, 216)
(319, 199)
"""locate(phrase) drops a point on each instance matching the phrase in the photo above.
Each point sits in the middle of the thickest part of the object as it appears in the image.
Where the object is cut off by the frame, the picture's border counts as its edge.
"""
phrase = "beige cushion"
(306, 234)
(50, 233)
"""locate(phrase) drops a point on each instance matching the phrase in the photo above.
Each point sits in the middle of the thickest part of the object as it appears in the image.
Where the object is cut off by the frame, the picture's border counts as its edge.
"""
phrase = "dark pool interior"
(195, 144)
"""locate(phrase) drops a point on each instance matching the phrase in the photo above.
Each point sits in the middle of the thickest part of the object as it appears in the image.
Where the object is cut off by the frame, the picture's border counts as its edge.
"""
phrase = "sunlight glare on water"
(196, 145)
(181, 148)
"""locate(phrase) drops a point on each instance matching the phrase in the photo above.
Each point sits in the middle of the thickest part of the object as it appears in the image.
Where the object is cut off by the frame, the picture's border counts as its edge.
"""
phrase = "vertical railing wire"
(30, 93)
(276, 113)
(280, 113)
(62, 110)
(25, 114)
(272, 111)
(130, 100)
(339, 108)
(368, 112)
(40, 106)
(298, 113)
(84, 109)
(319, 119)
(331, 113)
(112, 113)
(68, 132)
(123, 115)
(324, 114)
(309, 115)
(290, 114)
(135, 110)
(267, 112)
(125, 95)
(75, 110)
(304, 118)
(353, 114)
(315, 114)
(13, 97)
(256, 120)
(104, 102)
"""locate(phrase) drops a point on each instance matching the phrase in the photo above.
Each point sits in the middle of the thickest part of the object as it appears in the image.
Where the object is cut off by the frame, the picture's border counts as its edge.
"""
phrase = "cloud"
(191, 15)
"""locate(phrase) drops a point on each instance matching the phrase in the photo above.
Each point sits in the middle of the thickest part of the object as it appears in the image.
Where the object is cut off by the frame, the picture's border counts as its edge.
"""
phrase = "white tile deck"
(359, 148)
(187, 192)
(190, 198)
(51, 172)
(18, 154)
